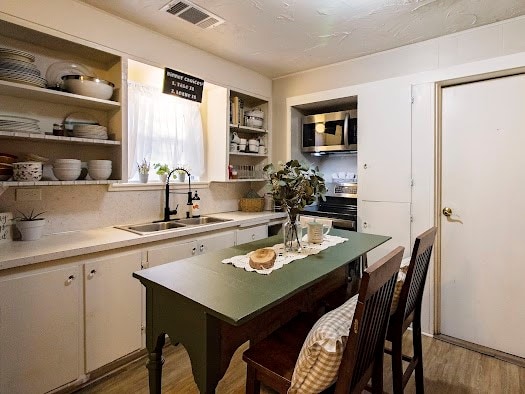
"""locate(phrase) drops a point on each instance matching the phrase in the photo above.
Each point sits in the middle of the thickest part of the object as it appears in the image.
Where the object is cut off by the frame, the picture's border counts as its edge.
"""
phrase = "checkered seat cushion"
(318, 362)
(401, 276)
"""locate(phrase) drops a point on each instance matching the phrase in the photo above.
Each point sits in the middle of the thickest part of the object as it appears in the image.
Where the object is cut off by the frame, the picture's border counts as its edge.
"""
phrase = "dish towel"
(282, 257)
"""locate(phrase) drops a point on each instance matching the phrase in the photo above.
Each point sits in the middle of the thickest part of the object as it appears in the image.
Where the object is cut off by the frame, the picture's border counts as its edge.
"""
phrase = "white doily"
(283, 257)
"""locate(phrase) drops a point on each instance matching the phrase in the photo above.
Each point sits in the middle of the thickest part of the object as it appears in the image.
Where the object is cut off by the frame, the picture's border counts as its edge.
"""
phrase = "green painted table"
(212, 308)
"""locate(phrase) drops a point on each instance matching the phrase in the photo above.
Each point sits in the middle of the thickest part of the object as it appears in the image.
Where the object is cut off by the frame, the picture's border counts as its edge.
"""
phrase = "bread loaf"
(262, 258)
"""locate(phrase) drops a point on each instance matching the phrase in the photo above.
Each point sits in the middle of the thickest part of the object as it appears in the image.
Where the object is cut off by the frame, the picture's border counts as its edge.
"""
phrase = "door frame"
(438, 151)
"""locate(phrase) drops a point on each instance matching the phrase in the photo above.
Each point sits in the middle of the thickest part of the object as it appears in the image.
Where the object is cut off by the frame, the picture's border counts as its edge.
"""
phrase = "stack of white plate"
(19, 123)
(17, 66)
(90, 131)
(99, 169)
(67, 169)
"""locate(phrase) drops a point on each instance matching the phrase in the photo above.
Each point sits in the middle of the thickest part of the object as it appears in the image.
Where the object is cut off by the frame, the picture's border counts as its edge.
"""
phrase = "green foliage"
(295, 185)
(161, 168)
(30, 217)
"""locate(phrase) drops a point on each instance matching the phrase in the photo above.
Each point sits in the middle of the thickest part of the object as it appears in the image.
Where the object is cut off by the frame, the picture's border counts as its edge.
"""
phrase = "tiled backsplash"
(69, 208)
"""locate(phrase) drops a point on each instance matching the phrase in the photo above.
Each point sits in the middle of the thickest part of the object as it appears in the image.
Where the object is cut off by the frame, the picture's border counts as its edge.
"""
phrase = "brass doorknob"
(447, 211)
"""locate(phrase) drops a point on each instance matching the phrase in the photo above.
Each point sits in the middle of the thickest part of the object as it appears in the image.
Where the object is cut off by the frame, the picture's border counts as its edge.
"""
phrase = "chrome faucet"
(167, 211)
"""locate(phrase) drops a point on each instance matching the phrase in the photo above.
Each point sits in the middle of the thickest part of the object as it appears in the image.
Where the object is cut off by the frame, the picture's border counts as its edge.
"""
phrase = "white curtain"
(163, 129)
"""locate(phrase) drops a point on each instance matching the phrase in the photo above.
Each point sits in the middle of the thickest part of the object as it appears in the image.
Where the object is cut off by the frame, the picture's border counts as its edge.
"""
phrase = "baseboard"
(483, 350)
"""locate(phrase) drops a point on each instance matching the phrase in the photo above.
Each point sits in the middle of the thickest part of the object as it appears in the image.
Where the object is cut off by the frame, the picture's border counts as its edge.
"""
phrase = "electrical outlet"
(28, 194)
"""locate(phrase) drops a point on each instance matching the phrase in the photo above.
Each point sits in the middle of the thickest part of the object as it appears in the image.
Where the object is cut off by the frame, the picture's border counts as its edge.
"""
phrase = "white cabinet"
(169, 252)
(227, 163)
(40, 333)
(52, 106)
(112, 308)
(384, 138)
(251, 234)
(178, 250)
(385, 218)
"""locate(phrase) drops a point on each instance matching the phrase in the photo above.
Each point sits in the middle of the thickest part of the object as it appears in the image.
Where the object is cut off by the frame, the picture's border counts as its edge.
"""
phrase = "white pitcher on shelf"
(236, 138)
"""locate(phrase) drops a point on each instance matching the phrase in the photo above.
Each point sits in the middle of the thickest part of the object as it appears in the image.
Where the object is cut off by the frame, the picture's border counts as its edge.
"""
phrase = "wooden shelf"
(53, 96)
(56, 183)
(246, 129)
(248, 154)
(247, 180)
(53, 138)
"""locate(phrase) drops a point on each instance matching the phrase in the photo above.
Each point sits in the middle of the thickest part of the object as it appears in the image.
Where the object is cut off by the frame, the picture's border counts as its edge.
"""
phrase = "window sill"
(136, 186)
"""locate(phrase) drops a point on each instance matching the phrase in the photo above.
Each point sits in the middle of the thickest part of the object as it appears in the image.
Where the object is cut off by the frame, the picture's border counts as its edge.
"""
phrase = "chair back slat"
(412, 291)
(368, 329)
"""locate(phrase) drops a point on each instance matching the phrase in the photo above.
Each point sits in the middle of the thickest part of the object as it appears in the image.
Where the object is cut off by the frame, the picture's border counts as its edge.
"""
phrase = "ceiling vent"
(194, 14)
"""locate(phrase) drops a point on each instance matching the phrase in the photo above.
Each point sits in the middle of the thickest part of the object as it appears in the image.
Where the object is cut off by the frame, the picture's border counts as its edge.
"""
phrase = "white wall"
(488, 49)
(85, 207)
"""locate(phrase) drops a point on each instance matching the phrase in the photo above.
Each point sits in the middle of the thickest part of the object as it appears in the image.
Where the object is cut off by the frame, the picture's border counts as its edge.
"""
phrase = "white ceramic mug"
(234, 147)
(253, 148)
(235, 138)
(317, 231)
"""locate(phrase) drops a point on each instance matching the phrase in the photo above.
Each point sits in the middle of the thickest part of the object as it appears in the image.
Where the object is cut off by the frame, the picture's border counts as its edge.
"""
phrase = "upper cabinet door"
(384, 141)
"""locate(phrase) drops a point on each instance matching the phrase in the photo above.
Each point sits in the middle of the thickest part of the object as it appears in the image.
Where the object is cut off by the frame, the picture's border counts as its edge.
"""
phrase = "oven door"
(344, 224)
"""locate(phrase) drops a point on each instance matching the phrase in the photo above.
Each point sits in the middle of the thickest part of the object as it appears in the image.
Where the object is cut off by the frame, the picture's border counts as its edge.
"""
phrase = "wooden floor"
(448, 369)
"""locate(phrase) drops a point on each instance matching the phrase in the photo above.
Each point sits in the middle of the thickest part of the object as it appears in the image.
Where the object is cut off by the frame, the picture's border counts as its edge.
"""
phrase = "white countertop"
(77, 243)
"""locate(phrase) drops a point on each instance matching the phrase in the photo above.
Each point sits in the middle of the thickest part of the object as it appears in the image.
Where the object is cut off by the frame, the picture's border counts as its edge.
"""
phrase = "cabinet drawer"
(252, 234)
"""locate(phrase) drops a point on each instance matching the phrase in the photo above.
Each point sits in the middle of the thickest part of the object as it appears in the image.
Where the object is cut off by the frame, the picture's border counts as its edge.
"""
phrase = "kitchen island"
(212, 308)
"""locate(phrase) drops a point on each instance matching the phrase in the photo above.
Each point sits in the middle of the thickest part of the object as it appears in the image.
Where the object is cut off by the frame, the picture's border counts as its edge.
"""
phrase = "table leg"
(154, 365)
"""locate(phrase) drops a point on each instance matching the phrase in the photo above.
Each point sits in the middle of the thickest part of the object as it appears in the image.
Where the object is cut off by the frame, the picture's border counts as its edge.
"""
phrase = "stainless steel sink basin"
(148, 228)
(201, 220)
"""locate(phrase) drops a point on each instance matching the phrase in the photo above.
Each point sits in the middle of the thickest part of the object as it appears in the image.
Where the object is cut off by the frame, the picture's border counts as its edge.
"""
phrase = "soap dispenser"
(196, 206)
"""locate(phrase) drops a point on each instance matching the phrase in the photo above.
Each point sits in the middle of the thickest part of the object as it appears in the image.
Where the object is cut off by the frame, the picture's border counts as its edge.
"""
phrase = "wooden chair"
(272, 360)
(408, 312)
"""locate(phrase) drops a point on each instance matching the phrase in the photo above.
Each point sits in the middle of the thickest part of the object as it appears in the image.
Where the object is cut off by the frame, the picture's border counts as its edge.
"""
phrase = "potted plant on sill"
(30, 226)
(143, 171)
(162, 171)
(181, 172)
(294, 186)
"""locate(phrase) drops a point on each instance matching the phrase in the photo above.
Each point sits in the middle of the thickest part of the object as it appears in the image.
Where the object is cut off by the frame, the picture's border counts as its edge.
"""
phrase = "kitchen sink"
(147, 228)
(201, 220)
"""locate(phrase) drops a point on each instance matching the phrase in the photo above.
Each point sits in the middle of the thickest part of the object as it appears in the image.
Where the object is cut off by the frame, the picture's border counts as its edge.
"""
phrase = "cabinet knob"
(194, 250)
(365, 224)
(253, 236)
(70, 279)
(201, 248)
(365, 166)
(92, 273)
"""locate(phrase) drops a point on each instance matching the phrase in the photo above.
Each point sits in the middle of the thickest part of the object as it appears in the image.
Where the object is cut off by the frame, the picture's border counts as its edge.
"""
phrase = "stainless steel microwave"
(330, 132)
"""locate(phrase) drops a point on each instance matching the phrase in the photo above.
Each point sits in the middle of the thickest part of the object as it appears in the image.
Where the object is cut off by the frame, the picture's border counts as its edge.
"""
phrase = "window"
(162, 128)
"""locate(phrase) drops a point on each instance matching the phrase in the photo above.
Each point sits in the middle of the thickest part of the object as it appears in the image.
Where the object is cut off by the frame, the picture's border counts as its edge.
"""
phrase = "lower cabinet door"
(40, 336)
(385, 218)
(113, 308)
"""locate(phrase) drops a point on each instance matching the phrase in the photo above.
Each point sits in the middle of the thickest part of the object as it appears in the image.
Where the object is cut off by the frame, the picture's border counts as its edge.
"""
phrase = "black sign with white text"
(182, 85)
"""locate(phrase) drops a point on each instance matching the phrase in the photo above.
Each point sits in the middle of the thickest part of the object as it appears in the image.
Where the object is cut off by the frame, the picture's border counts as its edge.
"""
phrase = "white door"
(482, 257)
(40, 336)
(113, 308)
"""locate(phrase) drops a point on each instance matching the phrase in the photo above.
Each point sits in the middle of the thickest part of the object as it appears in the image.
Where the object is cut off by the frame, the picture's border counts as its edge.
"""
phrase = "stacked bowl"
(99, 169)
(6, 166)
(66, 169)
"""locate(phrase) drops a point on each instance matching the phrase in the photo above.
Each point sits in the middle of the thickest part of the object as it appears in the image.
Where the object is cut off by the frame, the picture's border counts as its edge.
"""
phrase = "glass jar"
(292, 233)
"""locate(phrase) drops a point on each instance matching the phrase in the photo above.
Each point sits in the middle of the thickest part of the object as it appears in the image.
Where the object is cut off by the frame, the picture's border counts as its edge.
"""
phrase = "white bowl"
(100, 162)
(88, 86)
(68, 161)
(27, 171)
(66, 174)
(99, 174)
(252, 121)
